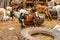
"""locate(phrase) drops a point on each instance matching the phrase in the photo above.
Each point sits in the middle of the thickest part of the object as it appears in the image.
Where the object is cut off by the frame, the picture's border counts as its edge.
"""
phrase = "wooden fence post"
(4, 3)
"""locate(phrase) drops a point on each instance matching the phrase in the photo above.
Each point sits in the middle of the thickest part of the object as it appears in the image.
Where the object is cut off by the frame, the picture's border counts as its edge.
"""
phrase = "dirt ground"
(9, 30)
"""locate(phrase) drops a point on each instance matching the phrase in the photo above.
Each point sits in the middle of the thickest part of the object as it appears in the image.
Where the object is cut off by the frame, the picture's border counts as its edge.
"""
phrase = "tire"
(53, 13)
(40, 21)
(27, 32)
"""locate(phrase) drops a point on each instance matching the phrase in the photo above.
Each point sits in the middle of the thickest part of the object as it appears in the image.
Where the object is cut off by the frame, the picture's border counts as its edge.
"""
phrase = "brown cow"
(44, 9)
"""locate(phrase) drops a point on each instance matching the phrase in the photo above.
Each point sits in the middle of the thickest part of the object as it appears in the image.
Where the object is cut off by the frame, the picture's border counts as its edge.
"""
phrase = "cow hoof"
(27, 32)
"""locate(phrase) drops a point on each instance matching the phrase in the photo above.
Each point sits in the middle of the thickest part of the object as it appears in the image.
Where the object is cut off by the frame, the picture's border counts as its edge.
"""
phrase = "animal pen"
(48, 29)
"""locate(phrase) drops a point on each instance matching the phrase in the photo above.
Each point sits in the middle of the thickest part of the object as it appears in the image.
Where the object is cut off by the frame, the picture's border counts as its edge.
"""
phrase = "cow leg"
(34, 21)
(47, 14)
(22, 24)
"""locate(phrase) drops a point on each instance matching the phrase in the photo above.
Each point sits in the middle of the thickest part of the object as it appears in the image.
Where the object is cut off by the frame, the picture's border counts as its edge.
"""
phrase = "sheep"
(2, 12)
(5, 12)
(5, 18)
(8, 8)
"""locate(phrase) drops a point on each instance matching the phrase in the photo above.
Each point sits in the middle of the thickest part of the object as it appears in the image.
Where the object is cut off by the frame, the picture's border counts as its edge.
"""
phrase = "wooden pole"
(10, 2)
(4, 3)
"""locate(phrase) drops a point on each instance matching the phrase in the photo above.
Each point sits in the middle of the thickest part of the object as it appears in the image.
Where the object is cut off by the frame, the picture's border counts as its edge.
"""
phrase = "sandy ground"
(9, 30)
(49, 25)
